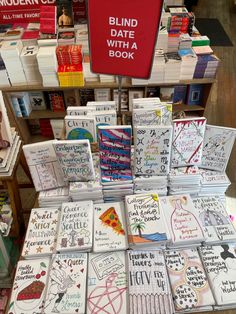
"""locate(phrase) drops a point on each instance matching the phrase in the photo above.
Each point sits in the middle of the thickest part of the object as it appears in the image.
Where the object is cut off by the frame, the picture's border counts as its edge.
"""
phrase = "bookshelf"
(24, 129)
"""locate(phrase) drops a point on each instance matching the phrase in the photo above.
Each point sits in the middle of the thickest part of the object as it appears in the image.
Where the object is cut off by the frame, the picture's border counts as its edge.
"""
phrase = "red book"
(56, 99)
(48, 19)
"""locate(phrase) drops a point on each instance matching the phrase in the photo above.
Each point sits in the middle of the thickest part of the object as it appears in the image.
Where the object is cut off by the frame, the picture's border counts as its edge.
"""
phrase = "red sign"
(123, 36)
(18, 11)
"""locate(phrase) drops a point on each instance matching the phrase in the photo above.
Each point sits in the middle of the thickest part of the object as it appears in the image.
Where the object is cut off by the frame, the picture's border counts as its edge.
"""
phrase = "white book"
(16, 106)
(75, 232)
(145, 220)
(29, 287)
(103, 118)
(188, 280)
(5, 128)
(6, 152)
(182, 219)
(75, 159)
(147, 117)
(217, 226)
(217, 146)
(102, 94)
(107, 283)
(102, 105)
(219, 262)
(109, 232)
(78, 110)
(80, 128)
(149, 289)
(37, 100)
(43, 165)
(41, 233)
(66, 288)
(152, 148)
(187, 142)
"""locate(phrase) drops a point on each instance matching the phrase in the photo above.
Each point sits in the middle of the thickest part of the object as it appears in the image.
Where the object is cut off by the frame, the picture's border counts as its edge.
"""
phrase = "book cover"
(107, 283)
(167, 93)
(86, 95)
(41, 233)
(188, 280)
(115, 147)
(134, 94)
(66, 288)
(179, 95)
(75, 159)
(5, 128)
(182, 219)
(152, 147)
(75, 227)
(217, 226)
(16, 106)
(219, 262)
(107, 117)
(187, 142)
(48, 24)
(149, 289)
(78, 111)
(145, 220)
(195, 94)
(217, 146)
(116, 176)
(102, 94)
(37, 100)
(56, 100)
(64, 13)
(102, 105)
(29, 287)
(109, 232)
(80, 128)
(43, 165)
(147, 116)
(71, 97)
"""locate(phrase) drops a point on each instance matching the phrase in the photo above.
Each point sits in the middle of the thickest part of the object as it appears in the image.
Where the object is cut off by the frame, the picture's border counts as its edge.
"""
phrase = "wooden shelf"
(39, 138)
(183, 107)
(104, 85)
(44, 114)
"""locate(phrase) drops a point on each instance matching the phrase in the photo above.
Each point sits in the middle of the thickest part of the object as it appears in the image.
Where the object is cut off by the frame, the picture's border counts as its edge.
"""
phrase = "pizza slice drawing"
(111, 219)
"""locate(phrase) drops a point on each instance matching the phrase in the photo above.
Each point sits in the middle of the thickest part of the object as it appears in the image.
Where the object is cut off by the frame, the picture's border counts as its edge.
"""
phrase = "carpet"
(214, 30)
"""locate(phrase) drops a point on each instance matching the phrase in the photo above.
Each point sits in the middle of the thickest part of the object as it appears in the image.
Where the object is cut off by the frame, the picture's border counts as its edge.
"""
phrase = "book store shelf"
(24, 126)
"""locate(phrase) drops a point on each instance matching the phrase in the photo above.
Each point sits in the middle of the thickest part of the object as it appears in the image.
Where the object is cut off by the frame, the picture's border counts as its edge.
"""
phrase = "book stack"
(206, 66)
(185, 41)
(107, 78)
(47, 62)
(88, 75)
(54, 197)
(158, 68)
(4, 81)
(69, 55)
(80, 127)
(173, 41)
(82, 37)
(48, 19)
(179, 20)
(184, 180)
(70, 75)
(10, 53)
(115, 161)
(66, 37)
(149, 183)
(162, 40)
(200, 41)
(188, 64)
(46, 40)
(30, 65)
(172, 67)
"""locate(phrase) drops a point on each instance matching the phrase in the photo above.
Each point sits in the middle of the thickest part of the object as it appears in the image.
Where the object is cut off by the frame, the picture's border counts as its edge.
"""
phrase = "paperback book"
(217, 146)
(115, 147)
(29, 287)
(189, 283)
(116, 176)
(182, 219)
(107, 283)
(75, 159)
(103, 118)
(5, 128)
(149, 289)
(187, 143)
(147, 117)
(80, 128)
(217, 226)
(219, 262)
(66, 288)
(43, 165)
(41, 234)
(152, 148)
(109, 233)
(145, 221)
(75, 232)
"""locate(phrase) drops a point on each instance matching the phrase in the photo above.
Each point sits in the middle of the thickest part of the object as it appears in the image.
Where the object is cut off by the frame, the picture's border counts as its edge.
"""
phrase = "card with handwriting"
(152, 147)
(187, 142)
(219, 262)
(217, 146)
(75, 159)
(41, 233)
(188, 280)
(147, 116)
(29, 287)
(149, 289)
(107, 283)
(109, 232)
(182, 219)
(75, 227)
(66, 288)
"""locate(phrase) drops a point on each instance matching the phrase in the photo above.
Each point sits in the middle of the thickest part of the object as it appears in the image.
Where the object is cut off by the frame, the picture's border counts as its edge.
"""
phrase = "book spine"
(16, 106)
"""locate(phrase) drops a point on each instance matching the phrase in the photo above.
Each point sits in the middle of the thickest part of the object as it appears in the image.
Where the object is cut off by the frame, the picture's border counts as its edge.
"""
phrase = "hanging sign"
(123, 36)
(21, 11)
